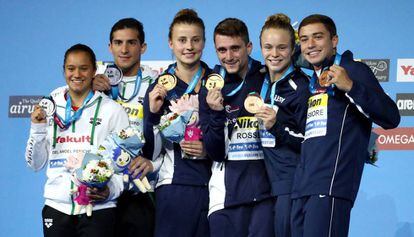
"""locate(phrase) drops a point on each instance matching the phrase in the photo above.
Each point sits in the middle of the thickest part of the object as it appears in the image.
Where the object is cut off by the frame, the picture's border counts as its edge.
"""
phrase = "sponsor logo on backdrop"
(22, 106)
(405, 70)
(380, 68)
(405, 103)
(157, 65)
(395, 139)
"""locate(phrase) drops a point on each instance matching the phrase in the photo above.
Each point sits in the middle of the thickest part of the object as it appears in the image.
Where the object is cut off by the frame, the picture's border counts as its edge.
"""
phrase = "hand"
(98, 195)
(215, 99)
(140, 165)
(38, 115)
(340, 78)
(268, 115)
(156, 98)
(193, 148)
(101, 83)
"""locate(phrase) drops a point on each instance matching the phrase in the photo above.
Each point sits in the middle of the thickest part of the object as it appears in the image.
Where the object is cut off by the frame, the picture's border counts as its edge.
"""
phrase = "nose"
(274, 52)
(189, 45)
(77, 73)
(310, 43)
(228, 55)
(124, 48)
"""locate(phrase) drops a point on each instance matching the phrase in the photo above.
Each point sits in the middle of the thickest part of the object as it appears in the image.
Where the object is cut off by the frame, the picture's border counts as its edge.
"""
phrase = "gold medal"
(324, 78)
(252, 103)
(168, 81)
(214, 81)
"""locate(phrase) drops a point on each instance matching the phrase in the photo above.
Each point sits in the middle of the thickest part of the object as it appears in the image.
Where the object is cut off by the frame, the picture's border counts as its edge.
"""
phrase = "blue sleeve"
(213, 125)
(370, 99)
(150, 120)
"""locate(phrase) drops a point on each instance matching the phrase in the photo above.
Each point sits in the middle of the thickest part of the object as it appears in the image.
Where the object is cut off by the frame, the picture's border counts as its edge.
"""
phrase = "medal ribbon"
(194, 80)
(266, 83)
(115, 89)
(313, 84)
(65, 123)
(237, 89)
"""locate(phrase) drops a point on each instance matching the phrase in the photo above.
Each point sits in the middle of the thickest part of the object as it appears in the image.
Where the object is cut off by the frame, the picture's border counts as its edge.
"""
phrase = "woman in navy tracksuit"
(181, 189)
(286, 91)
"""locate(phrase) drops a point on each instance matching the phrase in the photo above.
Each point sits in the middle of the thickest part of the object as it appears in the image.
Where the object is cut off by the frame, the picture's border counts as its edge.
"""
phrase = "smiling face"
(277, 50)
(126, 49)
(316, 43)
(187, 43)
(233, 53)
(79, 71)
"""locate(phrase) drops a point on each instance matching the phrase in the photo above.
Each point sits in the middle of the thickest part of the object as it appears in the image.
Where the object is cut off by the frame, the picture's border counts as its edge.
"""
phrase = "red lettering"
(408, 69)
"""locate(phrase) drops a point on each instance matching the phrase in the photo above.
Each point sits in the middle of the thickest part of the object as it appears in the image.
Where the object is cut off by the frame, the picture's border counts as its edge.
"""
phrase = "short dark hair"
(318, 18)
(81, 48)
(187, 16)
(232, 27)
(128, 23)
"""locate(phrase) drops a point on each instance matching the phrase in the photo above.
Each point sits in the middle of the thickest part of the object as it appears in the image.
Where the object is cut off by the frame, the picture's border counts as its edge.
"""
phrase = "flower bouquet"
(122, 148)
(173, 125)
(95, 172)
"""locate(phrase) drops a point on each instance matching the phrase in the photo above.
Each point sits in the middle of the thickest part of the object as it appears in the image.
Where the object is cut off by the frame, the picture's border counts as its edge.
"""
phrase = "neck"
(132, 71)
(243, 72)
(78, 98)
(276, 75)
(186, 72)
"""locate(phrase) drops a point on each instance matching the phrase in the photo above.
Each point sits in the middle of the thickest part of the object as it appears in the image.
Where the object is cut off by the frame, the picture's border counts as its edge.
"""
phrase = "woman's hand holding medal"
(337, 75)
(38, 115)
(215, 99)
(156, 98)
(268, 115)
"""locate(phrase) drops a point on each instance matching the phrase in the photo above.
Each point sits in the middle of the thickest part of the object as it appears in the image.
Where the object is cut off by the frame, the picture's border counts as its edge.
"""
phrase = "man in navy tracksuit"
(340, 115)
(240, 200)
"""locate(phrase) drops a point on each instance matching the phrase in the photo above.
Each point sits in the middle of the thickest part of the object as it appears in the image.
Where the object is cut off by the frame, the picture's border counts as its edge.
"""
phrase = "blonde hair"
(279, 21)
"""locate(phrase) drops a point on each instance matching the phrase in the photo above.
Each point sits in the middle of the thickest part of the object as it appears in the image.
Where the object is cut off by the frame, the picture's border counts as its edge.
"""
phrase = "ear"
(170, 44)
(335, 41)
(110, 48)
(143, 48)
(249, 47)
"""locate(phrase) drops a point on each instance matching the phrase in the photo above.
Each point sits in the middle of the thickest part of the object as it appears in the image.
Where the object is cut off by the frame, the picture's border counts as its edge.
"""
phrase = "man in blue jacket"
(240, 200)
(346, 98)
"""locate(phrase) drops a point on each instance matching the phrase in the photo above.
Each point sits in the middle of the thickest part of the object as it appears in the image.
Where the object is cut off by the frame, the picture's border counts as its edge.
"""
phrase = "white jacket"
(41, 150)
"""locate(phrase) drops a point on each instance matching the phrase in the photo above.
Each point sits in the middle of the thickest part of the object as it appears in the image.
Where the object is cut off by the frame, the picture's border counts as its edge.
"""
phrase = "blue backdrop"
(35, 35)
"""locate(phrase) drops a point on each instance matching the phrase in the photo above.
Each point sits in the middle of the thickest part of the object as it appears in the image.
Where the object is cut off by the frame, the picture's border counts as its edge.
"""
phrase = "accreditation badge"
(168, 81)
(214, 81)
(267, 139)
(253, 102)
(317, 117)
(48, 105)
(114, 74)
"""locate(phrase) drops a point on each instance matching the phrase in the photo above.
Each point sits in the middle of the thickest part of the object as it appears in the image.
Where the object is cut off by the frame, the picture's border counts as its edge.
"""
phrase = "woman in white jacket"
(82, 120)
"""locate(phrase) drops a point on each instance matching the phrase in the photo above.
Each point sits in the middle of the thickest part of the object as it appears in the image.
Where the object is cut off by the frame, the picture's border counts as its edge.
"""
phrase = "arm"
(37, 151)
(363, 89)
(213, 126)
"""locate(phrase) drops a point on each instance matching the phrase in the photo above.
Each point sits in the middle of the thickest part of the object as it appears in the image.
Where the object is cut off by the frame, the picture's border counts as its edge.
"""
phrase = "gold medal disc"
(214, 81)
(252, 103)
(168, 81)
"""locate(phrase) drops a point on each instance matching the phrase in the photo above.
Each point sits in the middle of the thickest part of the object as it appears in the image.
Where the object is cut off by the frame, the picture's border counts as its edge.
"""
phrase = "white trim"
(331, 220)
(293, 84)
(300, 135)
(339, 150)
(358, 107)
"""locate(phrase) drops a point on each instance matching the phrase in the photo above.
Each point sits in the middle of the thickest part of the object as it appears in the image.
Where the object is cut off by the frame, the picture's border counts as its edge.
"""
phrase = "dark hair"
(187, 16)
(317, 18)
(232, 27)
(279, 21)
(81, 48)
(128, 23)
